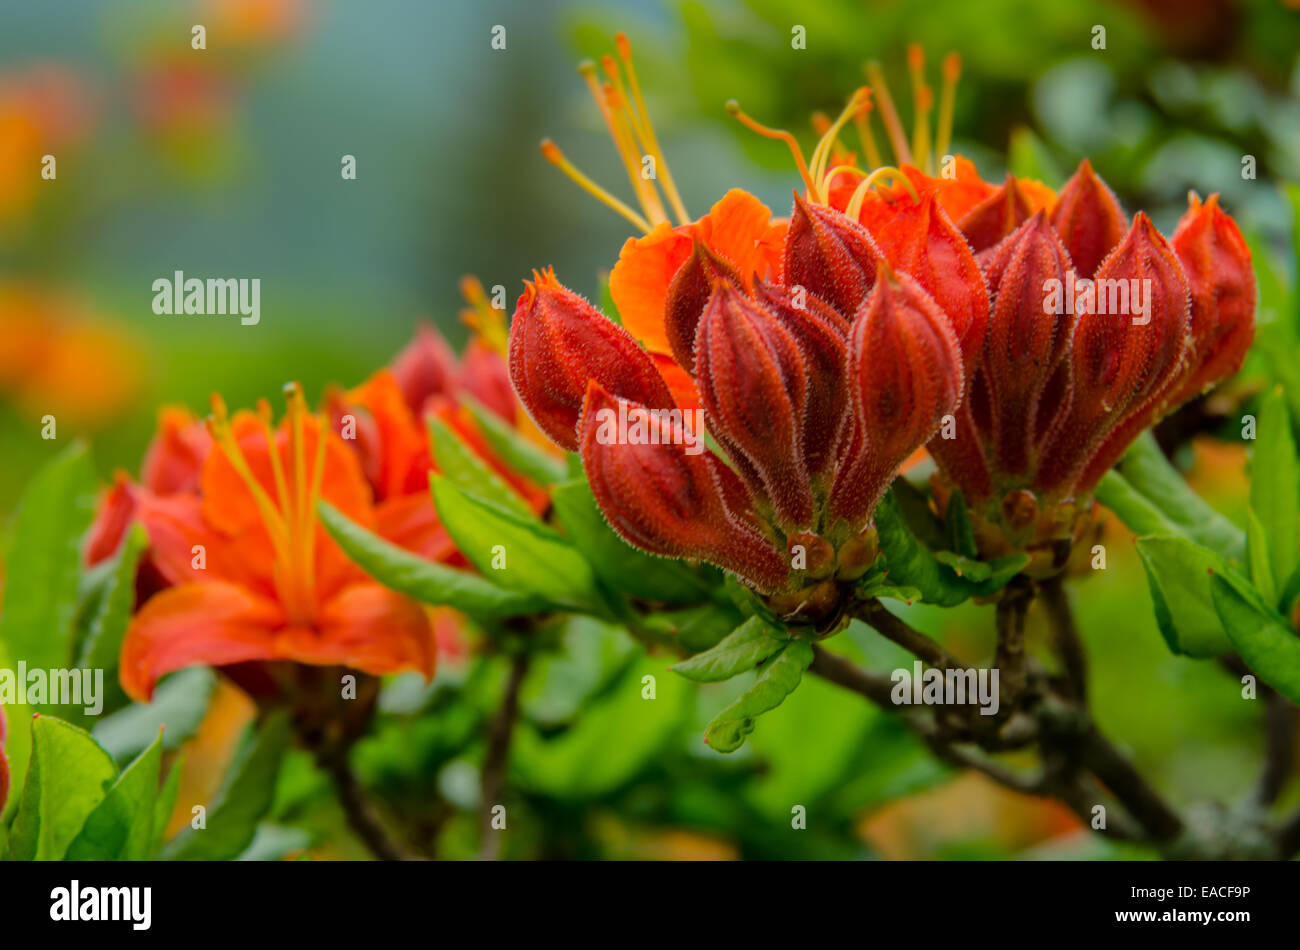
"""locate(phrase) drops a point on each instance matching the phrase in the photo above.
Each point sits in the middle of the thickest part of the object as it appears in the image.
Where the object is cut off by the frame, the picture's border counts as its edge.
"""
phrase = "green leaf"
(1146, 469)
(739, 652)
(621, 566)
(513, 448)
(165, 804)
(1257, 558)
(1028, 157)
(424, 580)
(1261, 635)
(911, 565)
(245, 797)
(537, 560)
(43, 561)
(470, 473)
(179, 704)
(67, 778)
(1178, 575)
(967, 567)
(1275, 486)
(776, 680)
(961, 533)
(103, 644)
(121, 826)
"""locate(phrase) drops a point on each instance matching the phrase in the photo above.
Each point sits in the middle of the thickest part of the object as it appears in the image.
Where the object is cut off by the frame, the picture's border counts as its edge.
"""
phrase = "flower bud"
(663, 499)
(830, 255)
(904, 375)
(996, 216)
(688, 293)
(1089, 219)
(1216, 260)
(425, 367)
(753, 386)
(558, 342)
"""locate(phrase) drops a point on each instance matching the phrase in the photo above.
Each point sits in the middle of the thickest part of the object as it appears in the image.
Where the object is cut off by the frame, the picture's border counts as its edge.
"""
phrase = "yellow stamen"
(888, 114)
(822, 153)
(923, 102)
(854, 207)
(862, 120)
(277, 470)
(733, 108)
(487, 322)
(840, 170)
(317, 476)
(951, 73)
(648, 137)
(552, 153)
(223, 435)
(625, 142)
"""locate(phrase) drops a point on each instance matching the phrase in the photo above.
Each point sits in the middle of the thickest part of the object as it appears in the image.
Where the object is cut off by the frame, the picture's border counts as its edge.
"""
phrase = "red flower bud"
(904, 375)
(1089, 219)
(1216, 260)
(921, 240)
(830, 255)
(558, 342)
(1025, 357)
(662, 498)
(688, 293)
(821, 335)
(425, 367)
(1123, 363)
(996, 216)
(753, 386)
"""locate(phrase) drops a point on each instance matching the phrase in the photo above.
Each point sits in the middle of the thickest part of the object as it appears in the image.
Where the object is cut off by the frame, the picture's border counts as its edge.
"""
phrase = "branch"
(498, 754)
(1279, 746)
(1010, 656)
(360, 814)
(1066, 635)
(1097, 754)
(894, 628)
(844, 673)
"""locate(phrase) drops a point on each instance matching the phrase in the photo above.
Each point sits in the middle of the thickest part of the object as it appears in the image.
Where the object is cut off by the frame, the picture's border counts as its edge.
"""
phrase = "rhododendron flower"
(255, 577)
(44, 109)
(814, 375)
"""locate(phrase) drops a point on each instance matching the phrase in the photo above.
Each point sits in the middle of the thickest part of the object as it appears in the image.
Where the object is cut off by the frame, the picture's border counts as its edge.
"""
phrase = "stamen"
(947, 97)
(821, 124)
(923, 102)
(277, 470)
(862, 120)
(552, 153)
(223, 435)
(625, 141)
(840, 170)
(888, 114)
(487, 322)
(648, 137)
(318, 475)
(822, 153)
(854, 207)
(733, 108)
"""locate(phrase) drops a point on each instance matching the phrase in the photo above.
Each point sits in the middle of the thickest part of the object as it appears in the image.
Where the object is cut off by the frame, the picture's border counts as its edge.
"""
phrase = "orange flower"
(43, 110)
(255, 577)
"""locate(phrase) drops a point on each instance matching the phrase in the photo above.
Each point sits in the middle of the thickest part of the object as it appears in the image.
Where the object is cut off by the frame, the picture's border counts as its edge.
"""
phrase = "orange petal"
(369, 628)
(411, 522)
(214, 624)
(186, 550)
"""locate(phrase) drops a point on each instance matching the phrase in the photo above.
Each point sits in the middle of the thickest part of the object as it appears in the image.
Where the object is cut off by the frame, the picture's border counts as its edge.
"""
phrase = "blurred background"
(226, 162)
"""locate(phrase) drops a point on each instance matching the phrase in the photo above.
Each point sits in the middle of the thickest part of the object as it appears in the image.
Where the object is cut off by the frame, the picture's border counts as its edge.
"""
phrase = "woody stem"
(891, 627)
(498, 755)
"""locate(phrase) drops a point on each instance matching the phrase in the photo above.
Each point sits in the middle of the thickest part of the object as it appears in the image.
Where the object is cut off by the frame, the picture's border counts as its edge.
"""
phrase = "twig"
(894, 628)
(1279, 747)
(844, 673)
(1098, 755)
(1066, 636)
(1010, 656)
(498, 753)
(360, 814)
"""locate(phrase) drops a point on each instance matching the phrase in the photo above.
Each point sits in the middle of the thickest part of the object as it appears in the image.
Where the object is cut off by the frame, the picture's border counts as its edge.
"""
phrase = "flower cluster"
(893, 309)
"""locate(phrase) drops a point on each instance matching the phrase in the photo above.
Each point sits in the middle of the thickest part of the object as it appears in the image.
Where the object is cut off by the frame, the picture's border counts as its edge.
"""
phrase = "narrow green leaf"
(621, 566)
(1028, 157)
(1275, 485)
(739, 652)
(245, 797)
(43, 561)
(67, 777)
(1257, 558)
(121, 826)
(1178, 576)
(471, 474)
(424, 580)
(961, 534)
(513, 448)
(523, 555)
(1147, 470)
(103, 644)
(165, 804)
(776, 680)
(1261, 635)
